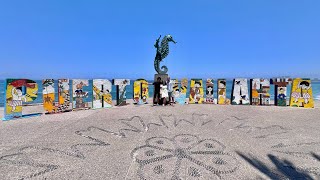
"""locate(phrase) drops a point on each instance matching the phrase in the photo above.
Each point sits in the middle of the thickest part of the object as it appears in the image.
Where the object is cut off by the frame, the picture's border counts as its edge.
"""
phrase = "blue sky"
(114, 39)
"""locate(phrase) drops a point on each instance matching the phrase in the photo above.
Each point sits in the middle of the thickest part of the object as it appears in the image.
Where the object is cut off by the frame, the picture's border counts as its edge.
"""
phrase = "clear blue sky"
(114, 38)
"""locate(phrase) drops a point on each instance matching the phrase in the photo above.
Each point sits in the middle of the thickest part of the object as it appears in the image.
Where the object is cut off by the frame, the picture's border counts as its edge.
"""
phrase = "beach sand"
(144, 142)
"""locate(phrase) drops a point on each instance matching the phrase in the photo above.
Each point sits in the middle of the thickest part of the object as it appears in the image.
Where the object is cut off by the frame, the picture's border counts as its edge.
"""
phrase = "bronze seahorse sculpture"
(162, 52)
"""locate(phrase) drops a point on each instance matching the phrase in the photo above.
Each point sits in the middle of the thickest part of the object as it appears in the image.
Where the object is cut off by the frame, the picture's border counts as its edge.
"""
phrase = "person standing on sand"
(170, 90)
(156, 94)
(164, 94)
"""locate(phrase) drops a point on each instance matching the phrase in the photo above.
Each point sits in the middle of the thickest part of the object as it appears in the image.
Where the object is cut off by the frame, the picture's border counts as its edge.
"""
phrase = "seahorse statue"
(162, 52)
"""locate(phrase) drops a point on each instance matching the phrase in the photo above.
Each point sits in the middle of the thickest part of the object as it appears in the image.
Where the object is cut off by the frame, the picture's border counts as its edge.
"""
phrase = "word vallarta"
(21, 91)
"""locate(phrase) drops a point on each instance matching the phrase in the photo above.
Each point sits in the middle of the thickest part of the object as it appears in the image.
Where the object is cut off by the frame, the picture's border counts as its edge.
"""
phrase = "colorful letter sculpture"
(121, 85)
(80, 88)
(140, 91)
(101, 93)
(17, 92)
(240, 93)
(209, 91)
(301, 93)
(196, 91)
(180, 94)
(48, 96)
(260, 91)
(20, 91)
(280, 87)
(175, 89)
(48, 92)
(64, 97)
(222, 91)
(175, 84)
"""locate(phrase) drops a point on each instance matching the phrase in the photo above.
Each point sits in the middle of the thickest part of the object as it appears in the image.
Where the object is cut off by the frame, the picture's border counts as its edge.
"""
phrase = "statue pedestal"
(163, 77)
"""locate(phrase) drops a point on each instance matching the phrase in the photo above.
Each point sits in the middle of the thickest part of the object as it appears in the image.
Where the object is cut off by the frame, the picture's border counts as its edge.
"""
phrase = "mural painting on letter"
(175, 89)
(196, 91)
(180, 94)
(260, 91)
(280, 87)
(140, 91)
(80, 88)
(209, 91)
(48, 92)
(101, 93)
(18, 91)
(48, 96)
(240, 93)
(183, 91)
(222, 90)
(301, 93)
(64, 96)
(121, 86)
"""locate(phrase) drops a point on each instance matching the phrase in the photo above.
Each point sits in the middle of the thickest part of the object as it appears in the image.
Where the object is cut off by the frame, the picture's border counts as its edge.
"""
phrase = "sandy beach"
(196, 141)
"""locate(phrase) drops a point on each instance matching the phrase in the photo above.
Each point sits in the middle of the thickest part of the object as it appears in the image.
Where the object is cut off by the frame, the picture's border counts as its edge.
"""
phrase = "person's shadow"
(315, 156)
(284, 168)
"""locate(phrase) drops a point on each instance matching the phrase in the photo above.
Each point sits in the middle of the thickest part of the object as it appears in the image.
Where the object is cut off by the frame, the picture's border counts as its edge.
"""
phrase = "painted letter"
(140, 91)
(121, 90)
(48, 96)
(49, 104)
(80, 94)
(196, 91)
(280, 88)
(240, 94)
(222, 91)
(102, 93)
(180, 94)
(175, 89)
(17, 92)
(209, 91)
(260, 91)
(301, 93)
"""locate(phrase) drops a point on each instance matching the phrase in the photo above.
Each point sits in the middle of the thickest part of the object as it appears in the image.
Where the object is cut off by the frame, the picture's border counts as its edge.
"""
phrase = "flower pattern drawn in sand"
(183, 155)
